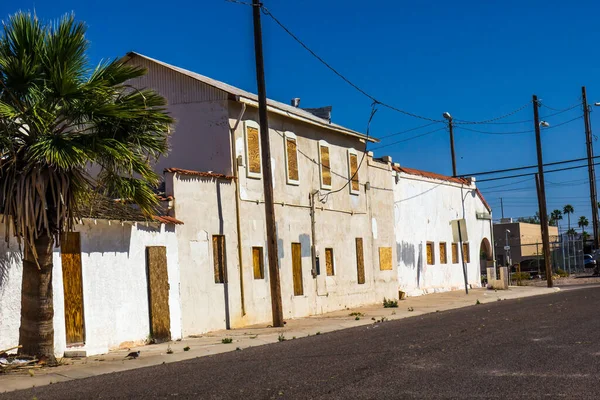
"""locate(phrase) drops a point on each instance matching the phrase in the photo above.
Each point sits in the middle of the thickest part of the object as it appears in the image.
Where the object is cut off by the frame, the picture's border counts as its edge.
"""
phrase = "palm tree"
(58, 117)
(583, 222)
(555, 216)
(568, 210)
(571, 232)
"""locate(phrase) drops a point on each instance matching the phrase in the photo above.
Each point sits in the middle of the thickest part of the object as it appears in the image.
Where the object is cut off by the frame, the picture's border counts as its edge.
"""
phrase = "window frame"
(262, 263)
(287, 135)
(352, 152)
(251, 174)
(323, 143)
(427, 246)
(222, 272)
(445, 252)
(455, 246)
(332, 261)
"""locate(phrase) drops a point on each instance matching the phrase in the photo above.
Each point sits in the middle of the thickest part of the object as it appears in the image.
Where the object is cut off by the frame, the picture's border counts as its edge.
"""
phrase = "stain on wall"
(406, 254)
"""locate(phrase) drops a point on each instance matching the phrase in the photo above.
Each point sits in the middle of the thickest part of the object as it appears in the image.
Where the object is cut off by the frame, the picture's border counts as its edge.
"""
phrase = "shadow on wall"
(9, 256)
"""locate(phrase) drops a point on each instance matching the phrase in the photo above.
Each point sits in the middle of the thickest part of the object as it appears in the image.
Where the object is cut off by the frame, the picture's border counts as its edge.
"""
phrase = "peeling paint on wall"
(406, 254)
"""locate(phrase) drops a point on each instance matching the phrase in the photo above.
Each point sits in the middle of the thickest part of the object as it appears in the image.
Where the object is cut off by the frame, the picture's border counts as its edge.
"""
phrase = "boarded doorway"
(158, 293)
(297, 269)
(70, 249)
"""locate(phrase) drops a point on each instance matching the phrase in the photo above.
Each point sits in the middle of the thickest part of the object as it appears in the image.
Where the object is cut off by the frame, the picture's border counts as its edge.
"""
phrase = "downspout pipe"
(234, 167)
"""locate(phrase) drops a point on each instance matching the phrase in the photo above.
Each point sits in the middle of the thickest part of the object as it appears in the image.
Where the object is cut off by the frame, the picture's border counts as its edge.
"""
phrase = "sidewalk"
(210, 343)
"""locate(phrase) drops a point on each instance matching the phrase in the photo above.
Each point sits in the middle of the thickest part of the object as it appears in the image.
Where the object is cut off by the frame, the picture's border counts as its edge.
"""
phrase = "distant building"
(525, 241)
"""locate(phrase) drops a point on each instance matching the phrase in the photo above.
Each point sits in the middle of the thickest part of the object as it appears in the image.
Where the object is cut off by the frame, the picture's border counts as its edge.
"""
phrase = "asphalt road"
(540, 347)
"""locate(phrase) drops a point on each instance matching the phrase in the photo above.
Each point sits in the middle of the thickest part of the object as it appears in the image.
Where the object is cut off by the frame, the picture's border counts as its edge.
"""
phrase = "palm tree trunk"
(569, 219)
(36, 333)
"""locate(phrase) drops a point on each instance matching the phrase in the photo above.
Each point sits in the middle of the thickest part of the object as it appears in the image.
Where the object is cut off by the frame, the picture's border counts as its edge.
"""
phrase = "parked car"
(589, 262)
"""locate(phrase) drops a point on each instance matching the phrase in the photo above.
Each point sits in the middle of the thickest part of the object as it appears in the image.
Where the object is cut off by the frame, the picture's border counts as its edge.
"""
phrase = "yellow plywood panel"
(158, 287)
(325, 166)
(353, 172)
(454, 253)
(253, 143)
(297, 269)
(329, 262)
(466, 253)
(73, 287)
(443, 255)
(385, 258)
(219, 258)
(258, 263)
(360, 261)
(292, 159)
(430, 254)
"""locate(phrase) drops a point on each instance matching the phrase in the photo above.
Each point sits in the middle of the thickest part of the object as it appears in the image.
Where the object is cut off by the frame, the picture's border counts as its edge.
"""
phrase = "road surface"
(540, 347)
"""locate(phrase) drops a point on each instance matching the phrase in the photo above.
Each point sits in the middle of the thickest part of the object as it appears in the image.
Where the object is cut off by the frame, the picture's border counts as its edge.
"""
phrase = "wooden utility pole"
(272, 253)
(542, 192)
(502, 207)
(591, 172)
(460, 241)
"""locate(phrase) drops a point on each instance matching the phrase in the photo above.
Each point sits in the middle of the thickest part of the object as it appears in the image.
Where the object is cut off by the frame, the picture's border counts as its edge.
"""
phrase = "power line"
(533, 173)
(406, 131)
(490, 121)
(562, 111)
(541, 103)
(410, 138)
(518, 132)
(498, 171)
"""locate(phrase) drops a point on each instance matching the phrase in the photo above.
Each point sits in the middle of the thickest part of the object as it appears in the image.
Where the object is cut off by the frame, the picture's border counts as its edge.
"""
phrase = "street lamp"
(544, 124)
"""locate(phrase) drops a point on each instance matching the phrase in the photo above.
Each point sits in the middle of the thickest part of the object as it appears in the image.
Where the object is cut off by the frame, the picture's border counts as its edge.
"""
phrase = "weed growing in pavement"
(281, 338)
(411, 309)
(562, 273)
(318, 333)
(169, 350)
(390, 303)
(477, 302)
(226, 340)
(357, 314)
(357, 318)
(186, 348)
(293, 337)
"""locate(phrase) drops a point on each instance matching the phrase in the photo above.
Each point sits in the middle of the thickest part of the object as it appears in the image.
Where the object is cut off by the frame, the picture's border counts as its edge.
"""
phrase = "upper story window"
(325, 163)
(291, 158)
(253, 152)
(353, 171)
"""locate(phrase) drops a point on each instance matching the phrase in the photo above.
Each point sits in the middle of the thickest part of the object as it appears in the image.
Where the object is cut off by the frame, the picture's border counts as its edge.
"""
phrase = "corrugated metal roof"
(431, 175)
(286, 108)
(199, 173)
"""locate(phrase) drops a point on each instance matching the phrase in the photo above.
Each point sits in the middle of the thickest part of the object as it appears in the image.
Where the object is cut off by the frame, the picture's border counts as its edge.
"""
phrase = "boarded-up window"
(258, 263)
(385, 258)
(291, 157)
(360, 261)
(353, 171)
(454, 253)
(158, 293)
(325, 165)
(219, 258)
(297, 269)
(329, 262)
(430, 254)
(253, 150)
(443, 255)
(466, 254)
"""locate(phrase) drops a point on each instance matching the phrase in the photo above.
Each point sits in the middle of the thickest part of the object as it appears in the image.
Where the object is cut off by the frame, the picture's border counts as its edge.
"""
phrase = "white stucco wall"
(115, 288)
(423, 209)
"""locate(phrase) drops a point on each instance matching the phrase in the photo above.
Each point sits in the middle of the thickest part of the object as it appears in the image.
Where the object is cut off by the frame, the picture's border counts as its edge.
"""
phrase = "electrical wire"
(533, 173)
(406, 131)
(562, 111)
(494, 133)
(410, 138)
(489, 121)
(498, 171)
(541, 103)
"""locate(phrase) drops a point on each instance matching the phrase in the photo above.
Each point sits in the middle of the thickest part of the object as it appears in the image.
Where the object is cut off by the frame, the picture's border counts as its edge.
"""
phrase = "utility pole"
(448, 117)
(502, 207)
(592, 174)
(542, 192)
(276, 306)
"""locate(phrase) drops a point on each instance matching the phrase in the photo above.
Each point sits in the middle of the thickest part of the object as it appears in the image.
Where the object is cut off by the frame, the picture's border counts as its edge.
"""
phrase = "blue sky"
(473, 59)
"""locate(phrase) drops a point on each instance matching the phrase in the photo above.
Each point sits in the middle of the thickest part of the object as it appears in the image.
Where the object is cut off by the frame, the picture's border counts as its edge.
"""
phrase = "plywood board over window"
(253, 153)
(443, 255)
(219, 258)
(385, 258)
(360, 261)
(291, 159)
(466, 253)
(325, 161)
(70, 249)
(297, 269)
(329, 262)
(430, 253)
(258, 263)
(454, 253)
(353, 171)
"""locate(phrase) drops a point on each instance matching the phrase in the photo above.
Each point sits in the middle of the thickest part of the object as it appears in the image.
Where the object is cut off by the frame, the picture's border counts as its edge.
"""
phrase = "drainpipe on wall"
(493, 245)
(313, 246)
(234, 167)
